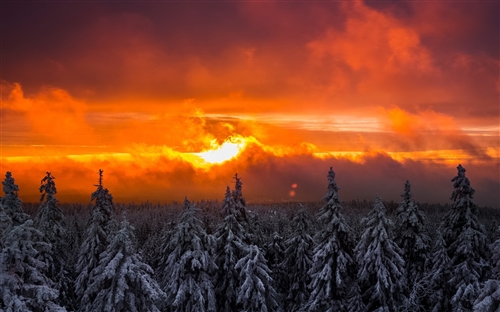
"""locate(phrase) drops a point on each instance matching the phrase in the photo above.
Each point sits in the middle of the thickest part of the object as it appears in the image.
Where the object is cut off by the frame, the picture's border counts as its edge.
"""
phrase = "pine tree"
(355, 303)
(239, 201)
(104, 203)
(49, 220)
(438, 276)
(256, 292)
(97, 236)
(412, 237)
(165, 248)
(334, 266)
(275, 254)
(188, 272)
(466, 244)
(11, 202)
(23, 284)
(297, 262)
(489, 296)
(121, 281)
(231, 246)
(5, 223)
(495, 248)
(381, 265)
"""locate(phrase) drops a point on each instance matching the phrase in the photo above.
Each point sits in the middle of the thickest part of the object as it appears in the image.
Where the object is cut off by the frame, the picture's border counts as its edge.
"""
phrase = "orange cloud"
(141, 93)
(428, 130)
(52, 114)
(167, 176)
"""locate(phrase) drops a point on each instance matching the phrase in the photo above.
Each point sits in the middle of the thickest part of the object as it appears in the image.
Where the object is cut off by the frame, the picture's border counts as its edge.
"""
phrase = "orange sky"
(381, 91)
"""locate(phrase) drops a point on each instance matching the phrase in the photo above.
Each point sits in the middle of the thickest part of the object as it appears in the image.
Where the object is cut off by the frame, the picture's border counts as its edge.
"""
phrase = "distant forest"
(230, 255)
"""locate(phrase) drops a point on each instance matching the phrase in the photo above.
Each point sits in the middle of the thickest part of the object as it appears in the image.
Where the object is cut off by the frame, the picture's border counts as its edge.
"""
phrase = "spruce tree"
(50, 221)
(412, 237)
(438, 277)
(231, 246)
(23, 284)
(97, 236)
(122, 282)
(381, 272)
(297, 263)
(160, 256)
(256, 291)
(190, 266)
(11, 202)
(489, 296)
(466, 244)
(5, 223)
(334, 267)
(355, 302)
(275, 254)
(239, 201)
(103, 201)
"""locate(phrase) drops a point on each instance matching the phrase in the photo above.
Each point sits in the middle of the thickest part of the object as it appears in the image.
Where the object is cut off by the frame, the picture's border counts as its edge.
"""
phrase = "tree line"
(238, 260)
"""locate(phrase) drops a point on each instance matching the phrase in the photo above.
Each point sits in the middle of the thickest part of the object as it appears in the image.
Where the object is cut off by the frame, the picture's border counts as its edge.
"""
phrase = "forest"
(231, 255)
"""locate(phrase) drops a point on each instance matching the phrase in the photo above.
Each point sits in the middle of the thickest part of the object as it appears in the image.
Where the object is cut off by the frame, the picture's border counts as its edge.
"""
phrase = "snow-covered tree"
(188, 272)
(412, 237)
(256, 292)
(275, 254)
(104, 203)
(489, 296)
(23, 284)
(495, 248)
(297, 263)
(231, 246)
(239, 201)
(334, 267)
(381, 272)
(355, 302)
(11, 202)
(122, 282)
(97, 236)
(160, 256)
(5, 223)
(49, 220)
(466, 244)
(438, 276)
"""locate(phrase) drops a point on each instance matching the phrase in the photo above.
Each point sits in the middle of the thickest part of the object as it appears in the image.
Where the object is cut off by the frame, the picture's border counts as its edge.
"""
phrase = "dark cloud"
(136, 78)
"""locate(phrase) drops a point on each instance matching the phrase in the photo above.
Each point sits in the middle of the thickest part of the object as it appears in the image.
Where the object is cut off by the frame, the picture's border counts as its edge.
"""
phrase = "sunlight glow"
(224, 152)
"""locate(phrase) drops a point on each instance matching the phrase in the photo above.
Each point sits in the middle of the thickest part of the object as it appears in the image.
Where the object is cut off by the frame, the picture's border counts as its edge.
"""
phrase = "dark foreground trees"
(96, 238)
(254, 261)
(187, 276)
(24, 285)
(333, 268)
(466, 245)
(121, 281)
(381, 274)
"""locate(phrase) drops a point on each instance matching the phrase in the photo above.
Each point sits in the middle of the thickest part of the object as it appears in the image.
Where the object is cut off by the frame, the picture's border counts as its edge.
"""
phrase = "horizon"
(171, 99)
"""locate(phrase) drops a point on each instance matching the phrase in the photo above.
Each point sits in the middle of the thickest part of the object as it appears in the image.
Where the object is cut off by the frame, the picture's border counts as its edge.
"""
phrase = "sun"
(224, 152)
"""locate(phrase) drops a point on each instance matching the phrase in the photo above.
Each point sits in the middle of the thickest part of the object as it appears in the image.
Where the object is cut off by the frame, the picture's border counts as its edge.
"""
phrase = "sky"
(172, 98)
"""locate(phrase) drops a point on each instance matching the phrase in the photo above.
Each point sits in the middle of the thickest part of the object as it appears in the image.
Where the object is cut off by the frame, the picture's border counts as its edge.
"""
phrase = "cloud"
(428, 130)
(166, 176)
(52, 114)
(400, 89)
(269, 57)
